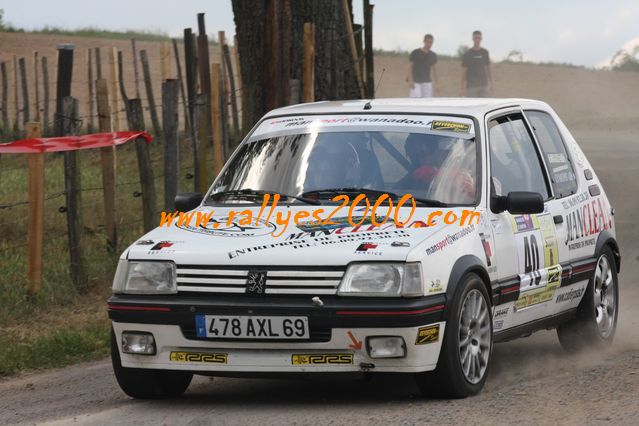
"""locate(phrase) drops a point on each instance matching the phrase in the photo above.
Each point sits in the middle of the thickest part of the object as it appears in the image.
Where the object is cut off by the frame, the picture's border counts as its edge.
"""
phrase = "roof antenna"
(368, 105)
(380, 80)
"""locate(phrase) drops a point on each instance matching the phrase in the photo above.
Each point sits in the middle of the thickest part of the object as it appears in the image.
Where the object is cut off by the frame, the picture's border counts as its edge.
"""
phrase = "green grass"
(94, 32)
(56, 348)
(63, 324)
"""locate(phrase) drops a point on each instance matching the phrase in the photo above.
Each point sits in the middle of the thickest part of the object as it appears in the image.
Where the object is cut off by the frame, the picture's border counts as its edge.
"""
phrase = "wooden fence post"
(170, 90)
(36, 212)
(72, 186)
(98, 64)
(368, 48)
(232, 93)
(115, 98)
(346, 13)
(108, 163)
(308, 66)
(91, 97)
(25, 91)
(63, 85)
(165, 61)
(3, 105)
(46, 100)
(16, 121)
(190, 67)
(135, 69)
(238, 72)
(187, 119)
(135, 116)
(202, 119)
(125, 98)
(36, 87)
(216, 118)
(149, 94)
(224, 91)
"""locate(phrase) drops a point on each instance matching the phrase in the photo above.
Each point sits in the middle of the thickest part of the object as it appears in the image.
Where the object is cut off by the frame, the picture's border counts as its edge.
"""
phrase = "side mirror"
(187, 201)
(518, 202)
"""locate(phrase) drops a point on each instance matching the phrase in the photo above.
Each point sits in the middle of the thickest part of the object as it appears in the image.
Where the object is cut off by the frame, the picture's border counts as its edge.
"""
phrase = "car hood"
(268, 240)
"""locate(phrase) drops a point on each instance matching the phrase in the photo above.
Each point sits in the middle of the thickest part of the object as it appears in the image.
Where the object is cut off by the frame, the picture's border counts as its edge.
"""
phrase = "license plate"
(251, 327)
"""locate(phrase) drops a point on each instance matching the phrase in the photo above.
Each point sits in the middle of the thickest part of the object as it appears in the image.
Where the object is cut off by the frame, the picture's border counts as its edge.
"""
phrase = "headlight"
(145, 278)
(382, 279)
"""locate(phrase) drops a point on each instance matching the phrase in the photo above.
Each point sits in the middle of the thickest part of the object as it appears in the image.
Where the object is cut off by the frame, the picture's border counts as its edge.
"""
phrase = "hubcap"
(474, 336)
(605, 303)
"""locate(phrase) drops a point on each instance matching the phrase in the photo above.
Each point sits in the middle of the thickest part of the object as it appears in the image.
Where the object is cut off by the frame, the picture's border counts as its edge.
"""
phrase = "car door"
(529, 268)
(563, 180)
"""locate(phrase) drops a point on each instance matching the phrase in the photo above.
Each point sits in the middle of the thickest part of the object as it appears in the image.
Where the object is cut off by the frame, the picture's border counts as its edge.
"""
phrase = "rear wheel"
(596, 320)
(148, 383)
(465, 354)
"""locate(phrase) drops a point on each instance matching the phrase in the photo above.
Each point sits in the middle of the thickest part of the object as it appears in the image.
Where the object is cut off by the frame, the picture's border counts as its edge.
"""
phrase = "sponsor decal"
(569, 296)
(523, 223)
(435, 286)
(256, 282)
(501, 312)
(449, 240)
(340, 222)
(400, 244)
(498, 325)
(451, 126)
(487, 250)
(161, 245)
(366, 246)
(427, 335)
(145, 243)
(557, 157)
(230, 227)
(211, 358)
(585, 222)
(297, 242)
(321, 359)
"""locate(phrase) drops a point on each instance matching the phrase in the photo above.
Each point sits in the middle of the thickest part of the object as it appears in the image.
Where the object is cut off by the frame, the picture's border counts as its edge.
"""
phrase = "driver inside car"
(436, 170)
(331, 167)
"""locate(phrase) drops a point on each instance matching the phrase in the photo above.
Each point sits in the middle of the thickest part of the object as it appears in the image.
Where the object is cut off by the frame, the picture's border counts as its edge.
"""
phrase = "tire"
(144, 383)
(595, 324)
(467, 336)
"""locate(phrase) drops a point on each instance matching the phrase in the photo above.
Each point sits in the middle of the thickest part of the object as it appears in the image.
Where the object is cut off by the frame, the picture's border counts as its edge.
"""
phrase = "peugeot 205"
(246, 293)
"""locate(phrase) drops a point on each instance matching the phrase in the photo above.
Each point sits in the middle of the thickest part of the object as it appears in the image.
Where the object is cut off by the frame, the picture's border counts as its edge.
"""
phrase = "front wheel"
(468, 339)
(596, 320)
(148, 383)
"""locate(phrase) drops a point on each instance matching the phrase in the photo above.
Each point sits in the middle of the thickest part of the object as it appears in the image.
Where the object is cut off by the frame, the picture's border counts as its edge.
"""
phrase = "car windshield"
(437, 167)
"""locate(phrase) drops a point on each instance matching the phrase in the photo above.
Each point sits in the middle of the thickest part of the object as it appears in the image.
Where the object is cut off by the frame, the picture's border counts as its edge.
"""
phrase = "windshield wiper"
(256, 193)
(376, 193)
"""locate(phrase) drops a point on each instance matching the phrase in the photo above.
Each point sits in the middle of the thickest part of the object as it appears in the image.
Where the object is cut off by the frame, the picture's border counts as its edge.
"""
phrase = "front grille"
(279, 280)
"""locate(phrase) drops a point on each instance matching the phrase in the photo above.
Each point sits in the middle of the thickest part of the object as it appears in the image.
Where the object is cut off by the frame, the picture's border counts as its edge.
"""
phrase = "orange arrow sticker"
(357, 344)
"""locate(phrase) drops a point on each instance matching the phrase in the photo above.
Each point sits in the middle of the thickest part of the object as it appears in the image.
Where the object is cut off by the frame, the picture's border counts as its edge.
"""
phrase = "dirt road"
(531, 382)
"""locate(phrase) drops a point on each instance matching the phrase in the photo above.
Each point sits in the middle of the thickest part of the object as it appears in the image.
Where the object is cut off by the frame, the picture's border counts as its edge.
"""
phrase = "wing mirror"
(187, 201)
(518, 202)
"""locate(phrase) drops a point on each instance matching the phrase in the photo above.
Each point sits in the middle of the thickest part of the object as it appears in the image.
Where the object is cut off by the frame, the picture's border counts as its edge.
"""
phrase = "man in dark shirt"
(477, 80)
(421, 72)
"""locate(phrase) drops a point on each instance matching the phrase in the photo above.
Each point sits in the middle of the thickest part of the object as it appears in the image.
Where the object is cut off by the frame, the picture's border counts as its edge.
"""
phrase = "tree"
(270, 34)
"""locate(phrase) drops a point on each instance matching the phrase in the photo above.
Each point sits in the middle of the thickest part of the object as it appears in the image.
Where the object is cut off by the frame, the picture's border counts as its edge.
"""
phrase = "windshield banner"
(453, 126)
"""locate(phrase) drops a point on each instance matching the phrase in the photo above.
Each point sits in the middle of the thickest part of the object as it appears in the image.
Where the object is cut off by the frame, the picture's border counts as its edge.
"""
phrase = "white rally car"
(252, 293)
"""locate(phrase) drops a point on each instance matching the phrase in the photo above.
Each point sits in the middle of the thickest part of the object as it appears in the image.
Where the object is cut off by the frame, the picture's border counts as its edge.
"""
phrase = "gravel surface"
(531, 380)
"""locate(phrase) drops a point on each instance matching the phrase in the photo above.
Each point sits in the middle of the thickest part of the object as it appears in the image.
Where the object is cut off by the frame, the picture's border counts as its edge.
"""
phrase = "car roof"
(464, 106)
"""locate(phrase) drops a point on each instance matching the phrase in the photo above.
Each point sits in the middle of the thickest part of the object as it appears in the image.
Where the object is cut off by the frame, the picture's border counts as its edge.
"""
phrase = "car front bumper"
(338, 334)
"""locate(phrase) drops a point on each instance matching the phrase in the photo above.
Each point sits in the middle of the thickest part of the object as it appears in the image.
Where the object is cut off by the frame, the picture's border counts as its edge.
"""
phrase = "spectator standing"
(477, 79)
(421, 71)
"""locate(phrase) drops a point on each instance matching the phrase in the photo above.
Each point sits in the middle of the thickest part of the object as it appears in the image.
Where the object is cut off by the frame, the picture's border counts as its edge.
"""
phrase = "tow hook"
(317, 302)
(366, 366)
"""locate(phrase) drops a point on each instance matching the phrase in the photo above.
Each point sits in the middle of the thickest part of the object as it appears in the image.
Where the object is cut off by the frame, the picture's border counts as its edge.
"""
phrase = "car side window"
(564, 180)
(515, 164)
